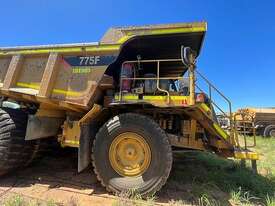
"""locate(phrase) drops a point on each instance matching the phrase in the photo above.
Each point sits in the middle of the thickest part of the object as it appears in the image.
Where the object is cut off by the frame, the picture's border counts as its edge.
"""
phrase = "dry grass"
(132, 199)
(18, 200)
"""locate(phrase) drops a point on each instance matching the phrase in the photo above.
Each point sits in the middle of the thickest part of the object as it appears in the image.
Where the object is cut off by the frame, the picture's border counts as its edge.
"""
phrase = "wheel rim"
(272, 133)
(129, 154)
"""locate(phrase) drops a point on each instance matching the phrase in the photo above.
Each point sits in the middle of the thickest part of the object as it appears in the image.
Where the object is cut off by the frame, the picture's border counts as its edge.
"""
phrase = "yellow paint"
(81, 70)
(205, 107)
(28, 85)
(126, 97)
(163, 98)
(177, 30)
(123, 39)
(56, 91)
(220, 131)
(130, 154)
(96, 48)
(70, 143)
(130, 34)
(246, 155)
(67, 93)
(160, 100)
(91, 114)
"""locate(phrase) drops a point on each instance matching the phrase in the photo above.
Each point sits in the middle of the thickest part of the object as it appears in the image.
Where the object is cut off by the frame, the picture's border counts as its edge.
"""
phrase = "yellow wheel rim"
(130, 154)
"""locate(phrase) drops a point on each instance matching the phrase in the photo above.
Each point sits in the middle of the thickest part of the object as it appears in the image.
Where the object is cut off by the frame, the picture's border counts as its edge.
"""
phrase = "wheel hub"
(130, 154)
(272, 133)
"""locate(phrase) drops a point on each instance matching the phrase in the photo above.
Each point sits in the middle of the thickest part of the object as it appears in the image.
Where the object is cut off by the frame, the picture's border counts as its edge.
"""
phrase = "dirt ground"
(195, 178)
(55, 178)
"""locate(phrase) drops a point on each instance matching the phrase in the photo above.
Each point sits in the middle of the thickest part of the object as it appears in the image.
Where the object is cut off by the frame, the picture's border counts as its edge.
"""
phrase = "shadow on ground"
(195, 177)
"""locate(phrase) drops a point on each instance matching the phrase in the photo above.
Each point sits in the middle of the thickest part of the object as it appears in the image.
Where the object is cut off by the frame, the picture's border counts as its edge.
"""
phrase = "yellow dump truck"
(260, 121)
(125, 102)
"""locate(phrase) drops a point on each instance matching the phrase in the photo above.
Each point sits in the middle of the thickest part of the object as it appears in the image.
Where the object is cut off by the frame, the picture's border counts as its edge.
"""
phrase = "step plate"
(246, 154)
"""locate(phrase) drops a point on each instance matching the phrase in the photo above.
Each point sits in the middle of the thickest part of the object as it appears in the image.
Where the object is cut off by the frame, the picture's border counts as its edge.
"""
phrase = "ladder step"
(245, 154)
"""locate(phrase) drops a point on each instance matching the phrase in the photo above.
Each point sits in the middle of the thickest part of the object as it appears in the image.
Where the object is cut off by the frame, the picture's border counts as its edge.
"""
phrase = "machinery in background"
(252, 121)
(262, 120)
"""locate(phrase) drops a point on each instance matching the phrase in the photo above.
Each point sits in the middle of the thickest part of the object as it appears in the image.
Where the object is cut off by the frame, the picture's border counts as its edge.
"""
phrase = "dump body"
(68, 80)
(73, 77)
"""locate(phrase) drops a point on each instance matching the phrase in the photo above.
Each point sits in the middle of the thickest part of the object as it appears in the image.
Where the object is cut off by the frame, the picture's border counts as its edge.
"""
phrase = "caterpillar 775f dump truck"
(126, 103)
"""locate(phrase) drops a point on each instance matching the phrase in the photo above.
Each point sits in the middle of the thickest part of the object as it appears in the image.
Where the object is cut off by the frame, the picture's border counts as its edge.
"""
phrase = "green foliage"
(50, 203)
(206, 200)
(270, 201)
(242, 198)
(227, 175)
(16, 200)
(219, 181)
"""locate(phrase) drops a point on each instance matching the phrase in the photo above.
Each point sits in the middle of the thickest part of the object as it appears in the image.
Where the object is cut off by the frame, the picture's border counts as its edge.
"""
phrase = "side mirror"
(188, 56)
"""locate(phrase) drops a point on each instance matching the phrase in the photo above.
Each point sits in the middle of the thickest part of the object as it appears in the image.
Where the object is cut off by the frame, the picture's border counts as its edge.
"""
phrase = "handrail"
(234, 133)
(158, 61)
(230, 116)
(220, 109)
(209, 83)
(218, 91)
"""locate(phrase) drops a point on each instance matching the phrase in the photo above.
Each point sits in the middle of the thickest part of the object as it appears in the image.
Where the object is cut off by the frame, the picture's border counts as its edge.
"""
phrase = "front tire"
(131, 152)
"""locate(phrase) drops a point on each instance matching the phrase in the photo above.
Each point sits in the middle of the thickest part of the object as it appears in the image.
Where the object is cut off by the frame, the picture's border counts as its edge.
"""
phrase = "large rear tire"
(131, 152)
(15, 152)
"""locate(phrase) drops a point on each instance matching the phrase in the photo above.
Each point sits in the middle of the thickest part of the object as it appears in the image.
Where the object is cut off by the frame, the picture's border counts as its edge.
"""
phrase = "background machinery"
(258, 120)
(125, 102)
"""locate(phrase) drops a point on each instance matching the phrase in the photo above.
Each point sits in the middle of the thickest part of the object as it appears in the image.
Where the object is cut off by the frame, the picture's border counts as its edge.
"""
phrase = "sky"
(238, 54)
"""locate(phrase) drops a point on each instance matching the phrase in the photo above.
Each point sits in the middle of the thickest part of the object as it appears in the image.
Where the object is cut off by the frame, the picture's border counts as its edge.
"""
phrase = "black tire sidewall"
(268, 130)
(156, 139)
(15, 152)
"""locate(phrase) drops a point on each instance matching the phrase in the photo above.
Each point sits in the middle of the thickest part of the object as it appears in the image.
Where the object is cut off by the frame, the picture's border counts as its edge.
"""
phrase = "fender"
(87, 135)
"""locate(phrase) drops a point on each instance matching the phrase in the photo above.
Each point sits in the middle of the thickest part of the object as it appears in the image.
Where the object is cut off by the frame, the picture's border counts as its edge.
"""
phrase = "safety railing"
(234, 132)
(211, 89)
(245, 126)
(157, 78)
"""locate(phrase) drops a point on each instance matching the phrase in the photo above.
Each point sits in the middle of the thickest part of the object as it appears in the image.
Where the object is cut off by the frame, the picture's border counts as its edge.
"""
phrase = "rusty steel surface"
(115, 34)
(36, 77)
